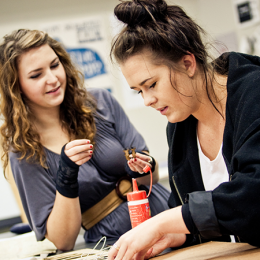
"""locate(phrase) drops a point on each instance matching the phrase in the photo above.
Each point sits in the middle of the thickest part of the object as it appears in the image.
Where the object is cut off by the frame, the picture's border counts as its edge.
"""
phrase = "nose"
(51, 78)
(149, 99)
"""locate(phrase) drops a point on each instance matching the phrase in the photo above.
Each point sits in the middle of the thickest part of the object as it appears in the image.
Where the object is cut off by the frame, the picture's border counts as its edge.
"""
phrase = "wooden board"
(214, 251)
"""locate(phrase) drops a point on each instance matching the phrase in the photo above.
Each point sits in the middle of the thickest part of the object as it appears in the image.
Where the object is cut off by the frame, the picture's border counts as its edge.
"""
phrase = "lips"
(53, 90)
(162, 110)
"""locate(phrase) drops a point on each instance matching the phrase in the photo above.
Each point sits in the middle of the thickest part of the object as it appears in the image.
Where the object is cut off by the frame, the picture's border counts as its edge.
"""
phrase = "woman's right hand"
(166, 229)
(79, 151)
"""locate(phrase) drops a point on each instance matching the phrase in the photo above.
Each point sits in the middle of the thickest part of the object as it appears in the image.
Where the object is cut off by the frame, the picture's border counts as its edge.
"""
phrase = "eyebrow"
(41, 68)
(142, 83)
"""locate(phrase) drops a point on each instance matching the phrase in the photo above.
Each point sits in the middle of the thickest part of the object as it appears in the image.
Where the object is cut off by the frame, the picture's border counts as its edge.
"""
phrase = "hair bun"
(139, 12)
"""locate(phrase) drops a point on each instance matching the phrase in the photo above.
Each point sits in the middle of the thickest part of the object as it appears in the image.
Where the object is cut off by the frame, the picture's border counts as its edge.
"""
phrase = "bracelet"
(67, 176)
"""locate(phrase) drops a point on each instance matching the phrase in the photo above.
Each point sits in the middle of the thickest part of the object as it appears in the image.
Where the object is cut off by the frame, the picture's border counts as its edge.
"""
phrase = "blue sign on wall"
(89, 62)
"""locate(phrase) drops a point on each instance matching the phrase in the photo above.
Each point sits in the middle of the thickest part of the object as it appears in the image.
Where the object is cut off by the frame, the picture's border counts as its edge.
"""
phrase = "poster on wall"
(246, 12)
(86, 40)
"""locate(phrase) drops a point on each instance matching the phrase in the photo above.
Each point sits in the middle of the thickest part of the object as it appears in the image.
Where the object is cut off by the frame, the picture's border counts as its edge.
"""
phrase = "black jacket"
(233, 208)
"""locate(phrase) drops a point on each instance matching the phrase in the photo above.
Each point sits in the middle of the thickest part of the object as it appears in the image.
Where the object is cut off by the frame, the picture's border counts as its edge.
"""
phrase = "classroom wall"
(217, 17)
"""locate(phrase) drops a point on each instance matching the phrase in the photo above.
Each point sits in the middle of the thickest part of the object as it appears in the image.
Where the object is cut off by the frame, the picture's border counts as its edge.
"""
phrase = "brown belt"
(104, 207)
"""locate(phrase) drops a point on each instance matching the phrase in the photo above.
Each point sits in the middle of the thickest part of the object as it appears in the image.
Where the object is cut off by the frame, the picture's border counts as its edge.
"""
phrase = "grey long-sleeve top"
(96, 178)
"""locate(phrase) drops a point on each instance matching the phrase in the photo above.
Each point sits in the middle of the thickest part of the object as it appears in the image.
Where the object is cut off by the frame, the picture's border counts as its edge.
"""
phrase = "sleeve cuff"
(67, 160)
(203, 214)
(188, 219)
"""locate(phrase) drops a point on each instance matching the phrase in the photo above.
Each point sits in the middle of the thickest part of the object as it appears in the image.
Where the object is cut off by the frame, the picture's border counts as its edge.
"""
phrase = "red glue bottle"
(138, 205)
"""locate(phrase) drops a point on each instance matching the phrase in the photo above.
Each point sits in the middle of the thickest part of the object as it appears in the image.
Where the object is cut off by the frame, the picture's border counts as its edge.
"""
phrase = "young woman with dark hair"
(213, 110)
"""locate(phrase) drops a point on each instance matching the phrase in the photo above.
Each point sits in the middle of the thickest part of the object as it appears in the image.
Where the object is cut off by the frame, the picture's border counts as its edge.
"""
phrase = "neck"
(46, 119)
(212, 112)
(49, 127)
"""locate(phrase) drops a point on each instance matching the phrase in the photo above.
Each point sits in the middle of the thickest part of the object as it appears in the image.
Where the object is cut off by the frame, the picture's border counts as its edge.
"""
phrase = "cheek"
(25, 87)
(62, 74)
(32, 89)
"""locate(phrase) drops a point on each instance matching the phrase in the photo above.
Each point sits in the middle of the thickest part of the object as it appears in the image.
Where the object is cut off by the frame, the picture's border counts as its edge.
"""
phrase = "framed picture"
(246, 12)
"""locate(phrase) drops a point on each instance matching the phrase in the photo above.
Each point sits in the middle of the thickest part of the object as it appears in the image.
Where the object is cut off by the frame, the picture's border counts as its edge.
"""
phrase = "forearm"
(64, 222)
(151, 237)
(171, 221)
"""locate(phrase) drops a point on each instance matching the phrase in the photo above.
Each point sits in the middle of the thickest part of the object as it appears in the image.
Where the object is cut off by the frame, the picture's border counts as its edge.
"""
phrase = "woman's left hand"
(139, 162)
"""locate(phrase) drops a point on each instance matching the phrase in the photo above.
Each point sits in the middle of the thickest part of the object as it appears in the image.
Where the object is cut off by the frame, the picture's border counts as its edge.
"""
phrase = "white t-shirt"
(213, 172)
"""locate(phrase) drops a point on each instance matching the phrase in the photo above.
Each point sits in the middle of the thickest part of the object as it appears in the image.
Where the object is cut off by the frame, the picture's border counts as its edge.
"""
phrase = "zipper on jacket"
(176, 188)
(238, 238)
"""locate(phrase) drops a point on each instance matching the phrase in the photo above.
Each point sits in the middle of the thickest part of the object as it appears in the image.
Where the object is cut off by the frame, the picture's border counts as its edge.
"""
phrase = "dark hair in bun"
(167, 32)
(164, 29)
(139, 12)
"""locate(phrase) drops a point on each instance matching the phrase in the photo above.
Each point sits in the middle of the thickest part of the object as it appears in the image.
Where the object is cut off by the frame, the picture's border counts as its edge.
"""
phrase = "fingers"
(119, 250)
(137, 164)
(79, 151)
(112, 253)
(81, 158)
(141, 255)
(136, 243)
(77, 142)
(149, 254)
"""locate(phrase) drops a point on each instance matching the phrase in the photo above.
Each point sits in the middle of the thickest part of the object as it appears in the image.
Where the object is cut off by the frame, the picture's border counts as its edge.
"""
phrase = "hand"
(79, 151)
(166, 241)
(151, 237)
(135, 243)
(137, 164)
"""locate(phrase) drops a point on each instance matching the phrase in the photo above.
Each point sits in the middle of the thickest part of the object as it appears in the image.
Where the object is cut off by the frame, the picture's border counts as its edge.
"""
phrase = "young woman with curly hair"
(51, 126)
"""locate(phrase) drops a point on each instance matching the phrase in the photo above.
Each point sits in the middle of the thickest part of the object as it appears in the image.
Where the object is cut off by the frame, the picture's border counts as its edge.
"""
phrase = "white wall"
(217, 17)
(8, 204)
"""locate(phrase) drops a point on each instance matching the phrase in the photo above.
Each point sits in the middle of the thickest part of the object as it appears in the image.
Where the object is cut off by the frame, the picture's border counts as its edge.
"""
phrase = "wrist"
(67, 177)
(177, 240)
(172, 221)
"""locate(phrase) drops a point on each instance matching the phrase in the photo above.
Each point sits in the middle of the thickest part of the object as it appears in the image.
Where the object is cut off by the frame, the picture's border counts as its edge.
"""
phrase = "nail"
(88, 142)
(90, 151)
(91, 146)
(135, 159)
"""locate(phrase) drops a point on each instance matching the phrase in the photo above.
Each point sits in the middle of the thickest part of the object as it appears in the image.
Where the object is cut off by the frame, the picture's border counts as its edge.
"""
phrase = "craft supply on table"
(84, 254)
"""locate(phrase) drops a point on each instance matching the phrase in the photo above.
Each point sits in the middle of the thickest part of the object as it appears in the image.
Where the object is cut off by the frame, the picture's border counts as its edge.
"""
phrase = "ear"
(190, 64)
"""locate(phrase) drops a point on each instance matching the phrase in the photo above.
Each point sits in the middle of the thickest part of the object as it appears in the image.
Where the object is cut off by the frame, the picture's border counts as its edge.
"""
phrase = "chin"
(174, 120)
(171, 120)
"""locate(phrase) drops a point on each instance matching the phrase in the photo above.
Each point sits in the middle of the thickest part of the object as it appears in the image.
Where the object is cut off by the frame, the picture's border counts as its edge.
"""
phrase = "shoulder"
(243, 89)
(243, 67)
(243, 78)
(13, 157)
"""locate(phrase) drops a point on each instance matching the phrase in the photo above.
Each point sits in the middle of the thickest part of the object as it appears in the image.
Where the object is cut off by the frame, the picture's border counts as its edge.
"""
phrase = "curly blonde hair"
(17, 130)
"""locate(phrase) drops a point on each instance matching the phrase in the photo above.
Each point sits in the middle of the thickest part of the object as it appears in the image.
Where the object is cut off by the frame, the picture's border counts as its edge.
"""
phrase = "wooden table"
(214, 251)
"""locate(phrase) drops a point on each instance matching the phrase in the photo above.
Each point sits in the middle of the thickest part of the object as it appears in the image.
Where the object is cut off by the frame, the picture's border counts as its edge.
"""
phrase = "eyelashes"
(152, 86)
(55, 65)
